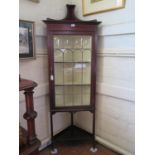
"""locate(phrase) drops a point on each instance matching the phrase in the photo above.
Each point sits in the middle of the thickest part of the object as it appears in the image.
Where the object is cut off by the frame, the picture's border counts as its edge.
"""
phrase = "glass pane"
(72, 57)
(56, 42)
(68, 90)
(59, 100)
(77, 42)
(77, 56)
(77, 73)
(85, 89)
(77, 100)
(59, 90)
(68, 56)
(68, 73)
(86, 95)
(66, 41)
(77, 90)
(86, 99)
(87, 42)
(86, 73)
(58, 56)
(68, 100)
(86, 55)
(58, 69)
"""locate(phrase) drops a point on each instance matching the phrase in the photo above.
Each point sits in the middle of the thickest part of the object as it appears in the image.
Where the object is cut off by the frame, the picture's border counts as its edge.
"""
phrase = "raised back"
(71, 17)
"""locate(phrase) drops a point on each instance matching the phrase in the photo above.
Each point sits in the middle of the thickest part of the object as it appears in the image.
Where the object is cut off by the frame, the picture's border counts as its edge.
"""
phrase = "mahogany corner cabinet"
(72, 72)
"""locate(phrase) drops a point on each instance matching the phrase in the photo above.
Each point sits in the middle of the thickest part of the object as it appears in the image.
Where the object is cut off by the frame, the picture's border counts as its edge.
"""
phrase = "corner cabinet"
(72, 71)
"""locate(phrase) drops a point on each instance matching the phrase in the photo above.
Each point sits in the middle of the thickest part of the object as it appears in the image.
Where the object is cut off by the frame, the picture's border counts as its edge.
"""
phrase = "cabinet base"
(73, 133)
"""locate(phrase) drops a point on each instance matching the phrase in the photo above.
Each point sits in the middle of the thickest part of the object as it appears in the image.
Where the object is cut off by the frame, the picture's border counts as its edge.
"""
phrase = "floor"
(79, 149)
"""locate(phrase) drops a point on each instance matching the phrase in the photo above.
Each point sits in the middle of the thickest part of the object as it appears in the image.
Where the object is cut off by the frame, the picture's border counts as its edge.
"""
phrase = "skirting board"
(112, 146)
(45, 143)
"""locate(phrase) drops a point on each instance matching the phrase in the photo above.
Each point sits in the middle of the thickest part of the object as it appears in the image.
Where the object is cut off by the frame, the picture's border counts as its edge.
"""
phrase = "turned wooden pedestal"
(31, 148)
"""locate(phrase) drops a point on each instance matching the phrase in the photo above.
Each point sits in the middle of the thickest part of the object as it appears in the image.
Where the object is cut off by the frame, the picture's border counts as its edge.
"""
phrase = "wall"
(37, 69)
(115, 79)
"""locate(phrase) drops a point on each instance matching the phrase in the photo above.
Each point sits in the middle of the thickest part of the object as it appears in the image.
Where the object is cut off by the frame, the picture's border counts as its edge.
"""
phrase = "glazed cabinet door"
(72, 70)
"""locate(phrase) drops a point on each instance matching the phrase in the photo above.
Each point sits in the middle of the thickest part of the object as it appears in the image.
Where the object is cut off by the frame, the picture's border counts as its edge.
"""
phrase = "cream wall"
(115, 79)
(115, 74)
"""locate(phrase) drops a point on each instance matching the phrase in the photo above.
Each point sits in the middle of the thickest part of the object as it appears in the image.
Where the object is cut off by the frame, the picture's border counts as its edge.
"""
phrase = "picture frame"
(97, 6)
(26, 39)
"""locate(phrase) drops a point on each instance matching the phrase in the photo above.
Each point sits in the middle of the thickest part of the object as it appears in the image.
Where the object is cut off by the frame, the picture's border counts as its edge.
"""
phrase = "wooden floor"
(79, 149)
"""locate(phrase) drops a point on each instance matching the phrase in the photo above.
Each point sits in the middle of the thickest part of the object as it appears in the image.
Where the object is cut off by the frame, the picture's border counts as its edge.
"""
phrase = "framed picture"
(97, 6)
(26, 39)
